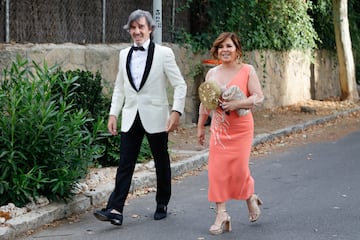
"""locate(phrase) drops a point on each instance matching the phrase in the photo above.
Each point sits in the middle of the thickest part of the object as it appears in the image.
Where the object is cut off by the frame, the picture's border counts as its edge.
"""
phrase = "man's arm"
(176, 80)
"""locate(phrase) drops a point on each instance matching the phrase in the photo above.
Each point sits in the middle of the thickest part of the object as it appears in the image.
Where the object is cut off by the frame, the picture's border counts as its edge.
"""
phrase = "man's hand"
(173, 121)
(112, 125)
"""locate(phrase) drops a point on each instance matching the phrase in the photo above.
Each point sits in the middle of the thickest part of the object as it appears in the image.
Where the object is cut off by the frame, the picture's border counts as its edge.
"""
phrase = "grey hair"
(135, 15)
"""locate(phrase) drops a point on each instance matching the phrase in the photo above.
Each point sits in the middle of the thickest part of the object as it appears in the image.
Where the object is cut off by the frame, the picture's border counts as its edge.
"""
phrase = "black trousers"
(130, 145)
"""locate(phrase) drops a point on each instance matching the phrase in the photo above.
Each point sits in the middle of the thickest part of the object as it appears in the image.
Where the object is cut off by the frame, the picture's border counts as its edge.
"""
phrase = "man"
(140, 94)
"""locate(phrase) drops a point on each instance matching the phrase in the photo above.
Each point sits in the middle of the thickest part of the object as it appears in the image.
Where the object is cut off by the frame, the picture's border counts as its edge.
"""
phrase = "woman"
(232, 128)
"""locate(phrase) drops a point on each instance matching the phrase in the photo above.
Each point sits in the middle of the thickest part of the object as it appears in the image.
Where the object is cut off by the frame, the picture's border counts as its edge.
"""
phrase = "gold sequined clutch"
(209, 94)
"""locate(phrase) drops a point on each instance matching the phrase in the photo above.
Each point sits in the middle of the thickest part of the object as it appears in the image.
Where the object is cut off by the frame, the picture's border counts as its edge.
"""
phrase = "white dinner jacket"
(151, 100)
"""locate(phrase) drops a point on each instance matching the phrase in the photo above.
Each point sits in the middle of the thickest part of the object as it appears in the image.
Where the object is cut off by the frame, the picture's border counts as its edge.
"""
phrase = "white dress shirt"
(137, 64)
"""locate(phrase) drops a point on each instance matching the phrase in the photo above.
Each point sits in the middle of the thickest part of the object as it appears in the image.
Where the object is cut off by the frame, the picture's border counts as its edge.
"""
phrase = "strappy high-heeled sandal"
(254, 204)
(223, 226)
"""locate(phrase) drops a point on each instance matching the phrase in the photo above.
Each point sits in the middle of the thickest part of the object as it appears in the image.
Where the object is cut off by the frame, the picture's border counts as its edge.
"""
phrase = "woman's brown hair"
(221, 38)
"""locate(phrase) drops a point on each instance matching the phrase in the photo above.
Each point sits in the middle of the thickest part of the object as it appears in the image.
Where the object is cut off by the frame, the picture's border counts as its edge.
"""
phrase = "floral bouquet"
(209, 94)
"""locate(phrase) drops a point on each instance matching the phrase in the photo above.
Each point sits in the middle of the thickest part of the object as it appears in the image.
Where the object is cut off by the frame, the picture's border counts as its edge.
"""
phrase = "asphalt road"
(309, 192)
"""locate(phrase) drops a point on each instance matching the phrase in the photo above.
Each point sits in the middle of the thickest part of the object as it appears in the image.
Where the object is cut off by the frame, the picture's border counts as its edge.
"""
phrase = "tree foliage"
(270, 24)
(267, 24)
(354, 23)
(263, 24)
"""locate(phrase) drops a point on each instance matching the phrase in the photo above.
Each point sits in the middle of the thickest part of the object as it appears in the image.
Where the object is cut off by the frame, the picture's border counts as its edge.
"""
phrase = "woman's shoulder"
(211, 72)
(213, 69)
(250, 66)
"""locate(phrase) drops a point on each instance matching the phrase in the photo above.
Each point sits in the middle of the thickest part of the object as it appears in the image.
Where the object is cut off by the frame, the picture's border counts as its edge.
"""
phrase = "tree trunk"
(344, 51)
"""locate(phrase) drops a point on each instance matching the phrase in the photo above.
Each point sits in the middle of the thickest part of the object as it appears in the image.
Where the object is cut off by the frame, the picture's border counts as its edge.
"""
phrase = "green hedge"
(44, 148)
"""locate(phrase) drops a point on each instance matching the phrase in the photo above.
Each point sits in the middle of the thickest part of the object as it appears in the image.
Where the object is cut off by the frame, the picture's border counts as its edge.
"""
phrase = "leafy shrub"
(44, 147)
(86, 92)
(111, 154)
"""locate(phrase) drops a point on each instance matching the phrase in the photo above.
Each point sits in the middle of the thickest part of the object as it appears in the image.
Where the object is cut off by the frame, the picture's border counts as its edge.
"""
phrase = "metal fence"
(81, 21)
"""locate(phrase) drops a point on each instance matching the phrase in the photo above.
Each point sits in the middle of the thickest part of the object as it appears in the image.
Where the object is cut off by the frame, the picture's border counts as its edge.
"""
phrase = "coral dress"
(230, 146)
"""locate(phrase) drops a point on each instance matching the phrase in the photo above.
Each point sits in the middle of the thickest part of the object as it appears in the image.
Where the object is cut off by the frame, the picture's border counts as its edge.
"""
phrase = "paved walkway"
(310, 192)
(81, 203)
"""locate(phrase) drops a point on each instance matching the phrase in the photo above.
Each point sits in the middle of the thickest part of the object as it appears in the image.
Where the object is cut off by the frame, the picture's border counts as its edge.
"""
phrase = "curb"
(264, 137)
(83, 202)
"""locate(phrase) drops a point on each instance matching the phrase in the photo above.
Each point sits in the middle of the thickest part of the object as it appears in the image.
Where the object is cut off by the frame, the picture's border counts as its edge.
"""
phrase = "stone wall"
(286, 77)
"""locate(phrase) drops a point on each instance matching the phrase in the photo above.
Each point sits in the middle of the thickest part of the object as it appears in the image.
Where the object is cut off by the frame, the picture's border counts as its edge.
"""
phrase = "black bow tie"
(141, 48)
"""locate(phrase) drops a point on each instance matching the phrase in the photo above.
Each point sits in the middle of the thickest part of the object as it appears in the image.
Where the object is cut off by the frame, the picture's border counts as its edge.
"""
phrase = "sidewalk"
(141, 179)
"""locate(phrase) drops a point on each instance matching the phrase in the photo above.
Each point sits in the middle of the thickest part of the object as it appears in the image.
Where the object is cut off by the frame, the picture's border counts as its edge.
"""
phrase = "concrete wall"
(325, 76)
(290, 77)
(286, 77)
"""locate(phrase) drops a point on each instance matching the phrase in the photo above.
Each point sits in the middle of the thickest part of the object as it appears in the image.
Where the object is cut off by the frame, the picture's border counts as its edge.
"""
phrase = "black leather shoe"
(106, 215)
(161, 212)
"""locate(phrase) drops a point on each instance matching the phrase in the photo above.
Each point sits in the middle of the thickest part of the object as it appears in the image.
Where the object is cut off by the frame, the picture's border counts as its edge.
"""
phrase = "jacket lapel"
(128, 68)
(149, 61)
